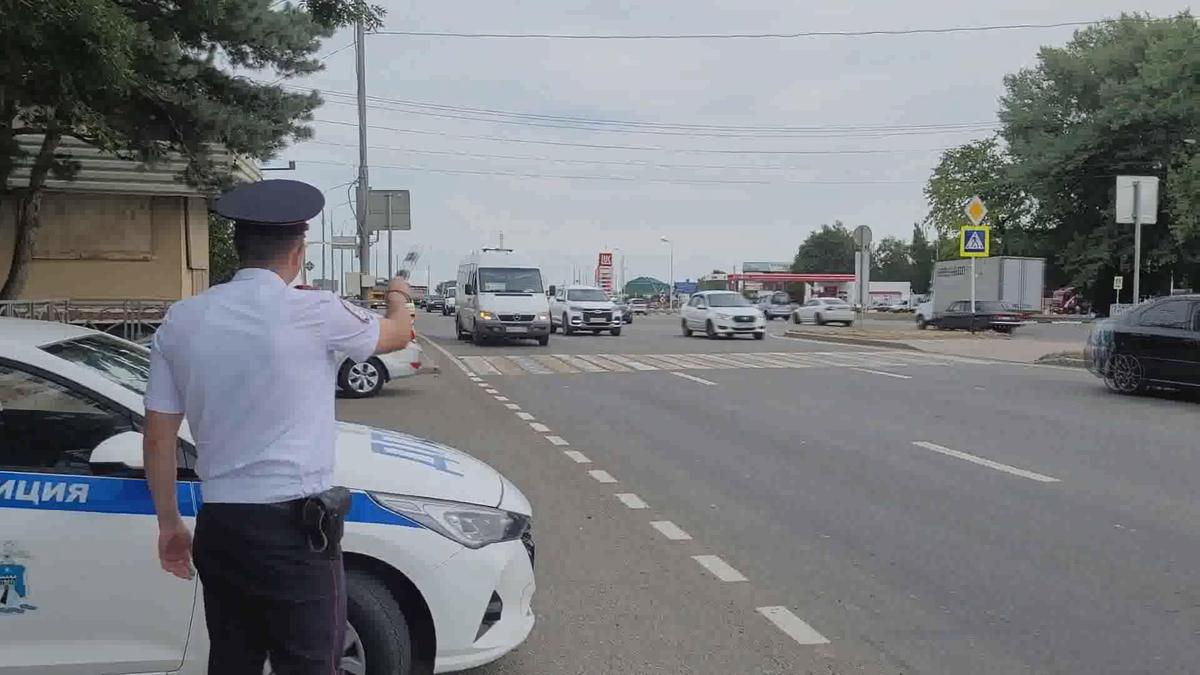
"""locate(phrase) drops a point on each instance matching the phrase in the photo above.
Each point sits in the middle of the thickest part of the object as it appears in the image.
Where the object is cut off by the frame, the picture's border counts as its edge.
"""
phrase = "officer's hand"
(400, 284)
(175, 549)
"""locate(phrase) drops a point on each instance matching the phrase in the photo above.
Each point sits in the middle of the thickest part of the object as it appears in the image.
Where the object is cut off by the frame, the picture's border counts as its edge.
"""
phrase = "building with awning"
(645, 287)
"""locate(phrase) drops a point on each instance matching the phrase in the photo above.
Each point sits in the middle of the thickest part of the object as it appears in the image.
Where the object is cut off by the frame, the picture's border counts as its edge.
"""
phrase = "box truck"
(1015, 281)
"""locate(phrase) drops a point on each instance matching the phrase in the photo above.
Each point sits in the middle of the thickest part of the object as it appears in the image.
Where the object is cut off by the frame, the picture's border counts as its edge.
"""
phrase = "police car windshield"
(509, 280)
(125, 364)
(587, 295)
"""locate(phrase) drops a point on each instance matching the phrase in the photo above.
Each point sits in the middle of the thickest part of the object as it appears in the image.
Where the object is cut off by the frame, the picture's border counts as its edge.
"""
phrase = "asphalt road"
(922, 514)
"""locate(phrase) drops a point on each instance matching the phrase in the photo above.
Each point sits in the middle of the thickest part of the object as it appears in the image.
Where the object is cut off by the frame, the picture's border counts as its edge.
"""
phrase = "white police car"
(438, 545)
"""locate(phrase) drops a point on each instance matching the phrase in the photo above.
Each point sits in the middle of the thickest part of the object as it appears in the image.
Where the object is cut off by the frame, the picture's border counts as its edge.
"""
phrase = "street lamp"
(671, 278)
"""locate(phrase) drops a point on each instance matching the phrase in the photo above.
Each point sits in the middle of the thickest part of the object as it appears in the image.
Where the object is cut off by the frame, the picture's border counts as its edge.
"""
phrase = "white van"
(501, 297)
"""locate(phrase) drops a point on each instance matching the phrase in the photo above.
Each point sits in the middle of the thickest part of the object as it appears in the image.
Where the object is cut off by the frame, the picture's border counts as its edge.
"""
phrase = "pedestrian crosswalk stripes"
(567, 364)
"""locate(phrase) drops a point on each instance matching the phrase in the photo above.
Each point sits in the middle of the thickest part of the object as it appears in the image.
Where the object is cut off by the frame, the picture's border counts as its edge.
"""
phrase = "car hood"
(391, 461)
(591, 304)
(514, 303)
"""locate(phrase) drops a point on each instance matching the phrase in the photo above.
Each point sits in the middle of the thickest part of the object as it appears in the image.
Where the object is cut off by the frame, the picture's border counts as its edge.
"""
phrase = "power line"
(598, 162)
(747, 36)
(654, 125)
(712, 151)
(631, 179)
(881, 132)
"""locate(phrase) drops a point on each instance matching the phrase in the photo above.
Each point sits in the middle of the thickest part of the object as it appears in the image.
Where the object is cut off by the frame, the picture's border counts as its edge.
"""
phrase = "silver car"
(824, 310)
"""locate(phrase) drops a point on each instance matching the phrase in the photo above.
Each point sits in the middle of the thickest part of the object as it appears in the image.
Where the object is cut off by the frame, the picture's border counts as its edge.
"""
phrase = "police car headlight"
(468, 524)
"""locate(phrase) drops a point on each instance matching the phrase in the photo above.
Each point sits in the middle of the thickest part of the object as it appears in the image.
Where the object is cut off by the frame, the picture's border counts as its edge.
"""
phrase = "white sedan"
(724, 313)
(362, 379)
(438, 545)
(824, 310)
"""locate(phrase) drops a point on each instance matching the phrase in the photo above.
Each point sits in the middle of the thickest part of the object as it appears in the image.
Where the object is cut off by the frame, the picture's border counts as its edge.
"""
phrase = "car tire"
(819, 320)
(553, 328)
(477, 338)
(379, 624)
(361, 379)
(616, 332)
(710, 330)
(544, 340)
(760, 336)
(922, 324)
(566, 323)
(462, 334)
(687, 332)
(1125, 374)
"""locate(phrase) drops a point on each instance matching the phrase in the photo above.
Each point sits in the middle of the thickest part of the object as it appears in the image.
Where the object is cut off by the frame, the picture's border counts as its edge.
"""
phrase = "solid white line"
(792, 625)
(501, 398)
(491, 391)
(557, 440)
(525, 416)
(578, 456)
(985, 462)
(539, 427)
(512, 406)
(631, 500)
(670, 530)
(719, 568)
(880, 372)
(602, 476)
(693, 378)
(447, 354)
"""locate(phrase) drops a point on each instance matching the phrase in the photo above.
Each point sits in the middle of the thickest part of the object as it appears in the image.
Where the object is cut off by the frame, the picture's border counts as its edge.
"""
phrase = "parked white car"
(363, 379)
(824, 310)
(575, 309)
(722, 313)
(438, 545)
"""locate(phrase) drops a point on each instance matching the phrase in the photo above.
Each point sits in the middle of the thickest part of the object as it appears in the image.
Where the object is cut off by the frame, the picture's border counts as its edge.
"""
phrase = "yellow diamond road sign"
(975, 210)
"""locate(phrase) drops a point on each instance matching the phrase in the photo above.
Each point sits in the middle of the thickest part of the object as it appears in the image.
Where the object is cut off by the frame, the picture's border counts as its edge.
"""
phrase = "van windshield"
(510, 280)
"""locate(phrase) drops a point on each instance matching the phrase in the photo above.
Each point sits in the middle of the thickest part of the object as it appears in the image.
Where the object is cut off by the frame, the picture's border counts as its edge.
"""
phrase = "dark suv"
(1155, 343)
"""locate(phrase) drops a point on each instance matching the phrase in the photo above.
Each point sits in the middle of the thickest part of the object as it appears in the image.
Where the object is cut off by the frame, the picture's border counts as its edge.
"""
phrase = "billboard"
(760, 267)
(604, 271)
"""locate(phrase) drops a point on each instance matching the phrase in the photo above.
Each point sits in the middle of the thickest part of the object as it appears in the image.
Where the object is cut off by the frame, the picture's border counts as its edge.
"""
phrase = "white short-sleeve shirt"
(250, 364)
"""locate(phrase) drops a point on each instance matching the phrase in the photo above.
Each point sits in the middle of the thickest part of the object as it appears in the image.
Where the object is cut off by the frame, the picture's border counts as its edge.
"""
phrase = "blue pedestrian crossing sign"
(974, 241)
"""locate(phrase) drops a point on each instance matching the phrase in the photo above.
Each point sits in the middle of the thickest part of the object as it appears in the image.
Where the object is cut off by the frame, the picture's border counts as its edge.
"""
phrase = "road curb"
(844, 340)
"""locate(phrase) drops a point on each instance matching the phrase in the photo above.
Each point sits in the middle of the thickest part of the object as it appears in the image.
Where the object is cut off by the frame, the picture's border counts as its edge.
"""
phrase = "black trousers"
(266, 593)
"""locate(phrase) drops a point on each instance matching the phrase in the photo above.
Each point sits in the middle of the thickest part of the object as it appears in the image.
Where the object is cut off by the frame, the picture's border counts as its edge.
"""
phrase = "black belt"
(322, 517)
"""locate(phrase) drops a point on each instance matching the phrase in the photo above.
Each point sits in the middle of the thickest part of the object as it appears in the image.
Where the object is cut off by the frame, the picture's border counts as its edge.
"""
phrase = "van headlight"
(471, 525)
(543, 317)
(486, 316)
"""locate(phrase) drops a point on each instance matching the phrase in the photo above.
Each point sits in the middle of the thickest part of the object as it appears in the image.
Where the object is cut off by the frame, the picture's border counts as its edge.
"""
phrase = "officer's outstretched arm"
(396, 328)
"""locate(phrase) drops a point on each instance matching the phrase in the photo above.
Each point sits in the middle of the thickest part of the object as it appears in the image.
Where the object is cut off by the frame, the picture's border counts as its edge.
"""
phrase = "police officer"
(250, 364)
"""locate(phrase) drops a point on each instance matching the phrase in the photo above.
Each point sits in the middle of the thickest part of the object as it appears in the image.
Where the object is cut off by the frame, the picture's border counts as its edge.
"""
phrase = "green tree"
(222, 256)
(981, 168)
(145, 78)
(829, 249)
(1120, 98)
(892, 260)
(923, 253)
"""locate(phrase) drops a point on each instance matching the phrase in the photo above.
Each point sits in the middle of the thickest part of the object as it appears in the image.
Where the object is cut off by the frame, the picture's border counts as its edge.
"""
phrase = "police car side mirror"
(122, 452)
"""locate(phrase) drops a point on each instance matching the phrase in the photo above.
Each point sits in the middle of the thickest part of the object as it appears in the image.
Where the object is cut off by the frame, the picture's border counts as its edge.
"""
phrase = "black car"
(626, 312)
(435, 303)
(1156, 343)
(988, 314)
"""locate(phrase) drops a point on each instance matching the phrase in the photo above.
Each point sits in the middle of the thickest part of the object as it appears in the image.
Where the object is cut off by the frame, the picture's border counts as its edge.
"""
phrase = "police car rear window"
(121, 362)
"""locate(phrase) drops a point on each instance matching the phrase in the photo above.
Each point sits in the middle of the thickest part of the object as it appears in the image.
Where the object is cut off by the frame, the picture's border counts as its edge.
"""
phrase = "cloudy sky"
(809, 130)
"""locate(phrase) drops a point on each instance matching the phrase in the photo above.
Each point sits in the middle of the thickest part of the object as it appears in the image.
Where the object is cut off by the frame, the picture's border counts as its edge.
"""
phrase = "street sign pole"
(972, 295)
(391, 260)
(1137, 242)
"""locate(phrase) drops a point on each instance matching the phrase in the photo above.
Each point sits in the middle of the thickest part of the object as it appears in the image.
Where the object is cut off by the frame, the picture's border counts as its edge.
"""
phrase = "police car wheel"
(360, 379)
(377, 639)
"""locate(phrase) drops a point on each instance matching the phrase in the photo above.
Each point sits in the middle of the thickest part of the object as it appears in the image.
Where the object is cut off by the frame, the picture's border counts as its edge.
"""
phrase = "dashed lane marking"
(670, 530)
(480, 365)
(792, 626)
(525, 416)
(1031, 475)
(539, 427)
(693, 378)
(512, 406)
(491, 391)
(557, 440)
(885, 374)
(602, 476)
(502, 399)
(578, 457)
(631, 500)
(719, 568)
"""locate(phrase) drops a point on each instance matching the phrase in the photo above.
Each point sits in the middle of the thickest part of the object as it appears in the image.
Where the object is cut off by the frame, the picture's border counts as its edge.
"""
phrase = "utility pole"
(1137, 242)
(364, 184)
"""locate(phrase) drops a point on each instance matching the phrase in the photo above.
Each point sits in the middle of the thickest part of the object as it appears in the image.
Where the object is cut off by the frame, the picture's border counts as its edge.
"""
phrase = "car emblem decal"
(14, 581)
